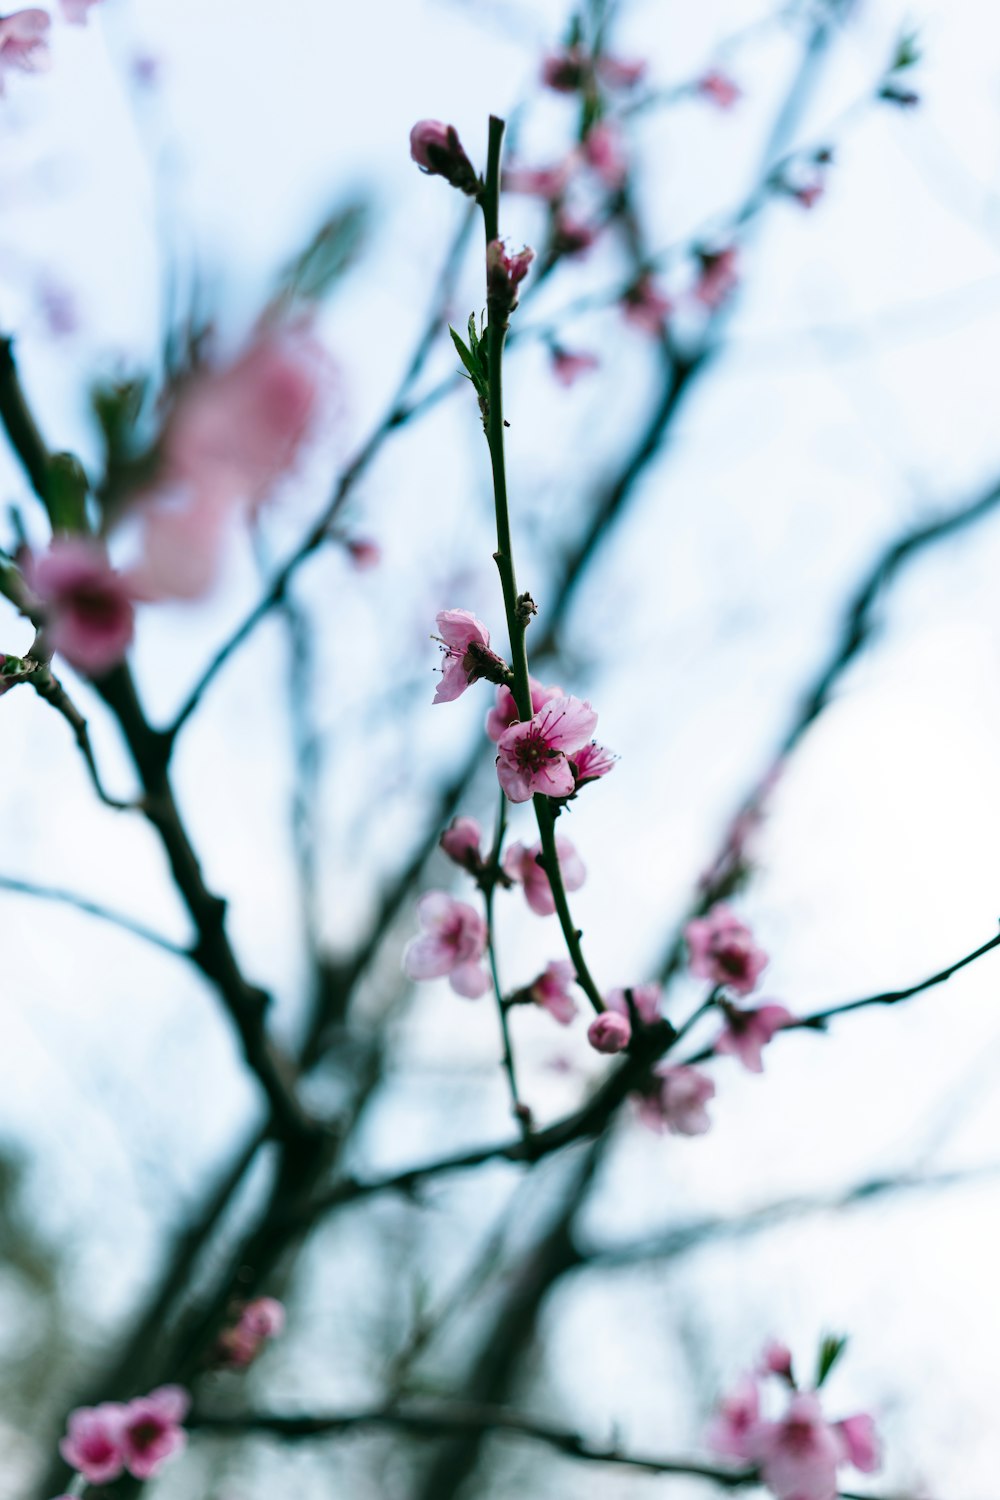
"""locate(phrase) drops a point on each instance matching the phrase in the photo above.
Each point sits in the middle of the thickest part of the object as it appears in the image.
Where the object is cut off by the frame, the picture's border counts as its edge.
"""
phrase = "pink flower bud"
(609, 1032)
(437, 150)
(504, 274)
(264, 1318)
(461, 842)
(88, 606)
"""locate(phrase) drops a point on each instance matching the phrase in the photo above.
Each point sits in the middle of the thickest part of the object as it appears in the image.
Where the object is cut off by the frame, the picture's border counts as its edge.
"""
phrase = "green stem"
(504, 558)
(489, 889)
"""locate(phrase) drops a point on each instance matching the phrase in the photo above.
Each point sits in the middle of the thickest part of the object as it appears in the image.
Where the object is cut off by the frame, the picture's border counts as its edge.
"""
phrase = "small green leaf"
(908, 52)
(830, 1350)
(465, 355)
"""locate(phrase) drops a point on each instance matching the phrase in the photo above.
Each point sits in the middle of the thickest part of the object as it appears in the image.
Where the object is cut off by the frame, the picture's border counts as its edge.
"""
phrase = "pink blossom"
(93, 1442)
(461, 842)
(505, 270)
(548, 183)
(566, 71)
(860, 1442)
(568, 367)
(609, 1032)
(677, 1101)
(504, 713)
(235, 431)
(776, 1359)
(152, 1432)
(522, 866)
(533, 756)
(645, 997)
(719, 88)
(364, 553)
(799, 1455)
(437, 150)
(572, 236)
(465, 642)
(735, 1429)
(718, 277)
(453, 943)
(721, 948)
(88, 606)
(183, 536)
(646, 307)
(747, 1032)
(590, 763)
(76, 11)
(605, 152)
(264, 1317)
(24, 42)
(552, 991)
(808, 194)
(620, 72)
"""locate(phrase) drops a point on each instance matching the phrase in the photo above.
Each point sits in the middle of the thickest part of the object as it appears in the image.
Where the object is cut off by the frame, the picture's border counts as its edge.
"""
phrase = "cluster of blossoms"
(722, 950)
(231, 434)
(259, 1322)
(104, 1442)
(799, 1452)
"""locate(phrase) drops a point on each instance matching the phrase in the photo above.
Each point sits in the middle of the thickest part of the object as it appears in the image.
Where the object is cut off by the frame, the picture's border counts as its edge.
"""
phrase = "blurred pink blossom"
(734, 1430)
(798, 1455)
(860, 1443)
(364, 553)
(621, 72)
(533, 756)
(677, 1101)
(76, 11)
(747, 1032)
(521, 864)
(718, 277)
(452, 943)
(152, 1432)
(719, 88)
(89, 615)
(568, 367)
(604, 150)
(93, 1442)
(548, 183)
(24, 42)
(461, 841)
(552, 990)
(721, 949)
(645, 997)
(566, 71)
(646, 307)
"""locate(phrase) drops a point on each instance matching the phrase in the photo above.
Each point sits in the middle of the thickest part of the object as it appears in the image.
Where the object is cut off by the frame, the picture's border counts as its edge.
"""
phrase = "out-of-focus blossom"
(734, 1431)
(647, 307)
(522, 866)
(534, 756)
(437, 150)
(719, 88)
(677, 1100)
(747, 1032)
(235, 431)
(566, 71)
(548, 183)
(364, 553)
(552, 990)
(860, 1443)
(604, 151)
(452, 943)
(58, 308)
(504, 712)
(621, 72)
(721, 948)
(462, 841)
(568, 367)
(258, 1323)
(152, 1432)
(609, 1032)
(645, 997)
(88, 607)
(572, 236)
(465, 642)
(24, 42)
(76, 11)
(776, 1359)
(718, 277)
(798, 1455)
(504, 273)
(93, 1442)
